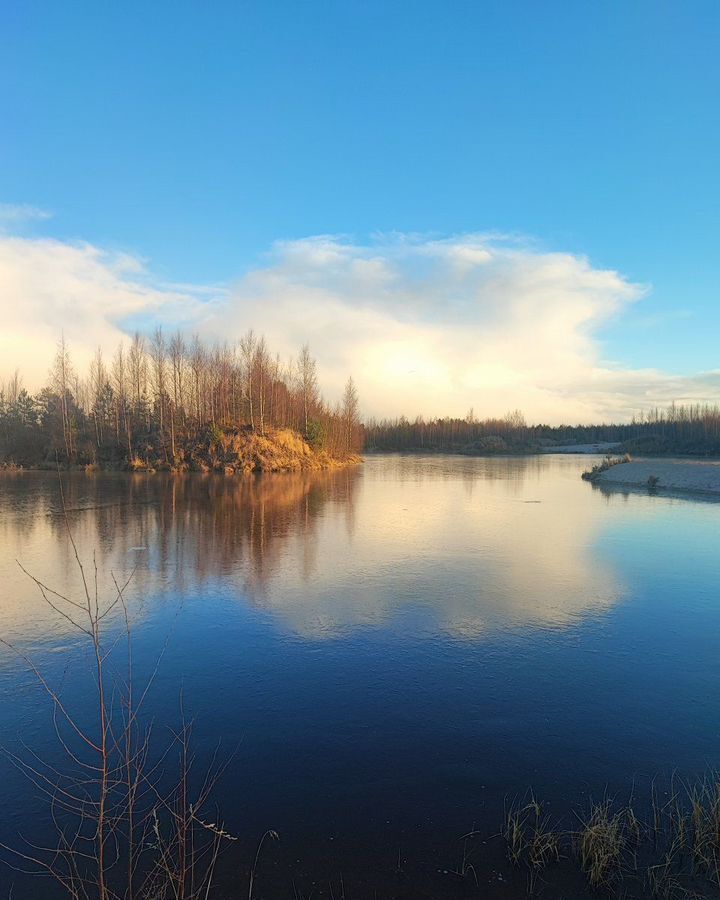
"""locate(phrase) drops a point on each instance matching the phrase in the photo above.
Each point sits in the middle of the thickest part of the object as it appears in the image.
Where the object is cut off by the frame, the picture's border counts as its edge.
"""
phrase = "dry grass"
(601, 842)
(275, 450)
(705, 827)
(663, 884)
(292, 441)
(529, 836)
(675, 855)
(607, 463)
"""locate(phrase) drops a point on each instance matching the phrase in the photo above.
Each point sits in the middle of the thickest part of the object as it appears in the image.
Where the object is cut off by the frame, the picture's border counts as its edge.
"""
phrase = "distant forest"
(158, 398)
(690, 430)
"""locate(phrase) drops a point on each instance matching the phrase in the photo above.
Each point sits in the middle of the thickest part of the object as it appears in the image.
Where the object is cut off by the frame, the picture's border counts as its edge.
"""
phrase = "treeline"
(685, 429)
(158, 397)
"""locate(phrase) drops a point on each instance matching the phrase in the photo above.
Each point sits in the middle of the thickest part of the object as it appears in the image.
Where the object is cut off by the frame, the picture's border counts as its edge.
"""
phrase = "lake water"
(386, 653)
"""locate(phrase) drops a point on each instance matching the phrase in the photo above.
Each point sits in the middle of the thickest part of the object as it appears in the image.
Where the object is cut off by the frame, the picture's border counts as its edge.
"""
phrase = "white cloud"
(437, 326)
(14, 214)
(49, 287)
(424, 325)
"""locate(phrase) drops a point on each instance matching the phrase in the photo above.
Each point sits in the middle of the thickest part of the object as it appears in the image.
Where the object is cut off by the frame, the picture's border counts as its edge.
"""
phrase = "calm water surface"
(388, 651)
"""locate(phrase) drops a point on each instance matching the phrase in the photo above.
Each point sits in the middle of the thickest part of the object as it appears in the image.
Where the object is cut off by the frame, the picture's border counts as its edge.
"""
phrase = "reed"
(675, 855)
(530, 838)
(601, 841)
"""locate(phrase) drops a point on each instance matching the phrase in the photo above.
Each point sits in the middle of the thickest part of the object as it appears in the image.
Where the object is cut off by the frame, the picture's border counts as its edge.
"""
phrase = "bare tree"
(198, 362)
(158, 354)
(98, 386)
(350, 414)
(177, 374)
(261, 366)
(248, 344)
(120, 387)
(307, 377)
(12, 387)
(137, 370)
(61, 376)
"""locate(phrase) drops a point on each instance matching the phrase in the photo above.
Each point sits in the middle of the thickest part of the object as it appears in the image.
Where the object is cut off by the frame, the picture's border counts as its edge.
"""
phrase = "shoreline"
(328, 465)
(222, 451)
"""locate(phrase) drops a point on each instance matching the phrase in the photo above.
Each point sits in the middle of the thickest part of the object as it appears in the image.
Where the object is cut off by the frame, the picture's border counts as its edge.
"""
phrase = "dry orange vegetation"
(245, 450)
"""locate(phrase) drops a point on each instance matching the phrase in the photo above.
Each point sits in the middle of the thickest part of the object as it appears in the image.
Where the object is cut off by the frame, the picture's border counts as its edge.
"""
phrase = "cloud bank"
(424, 325)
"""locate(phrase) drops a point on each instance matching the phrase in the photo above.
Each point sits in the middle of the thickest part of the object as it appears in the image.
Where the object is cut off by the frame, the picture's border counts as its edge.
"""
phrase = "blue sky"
(196, 135)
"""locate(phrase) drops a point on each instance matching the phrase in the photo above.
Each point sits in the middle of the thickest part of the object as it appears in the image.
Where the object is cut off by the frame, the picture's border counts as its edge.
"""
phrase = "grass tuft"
(530, 839)
(601, 842)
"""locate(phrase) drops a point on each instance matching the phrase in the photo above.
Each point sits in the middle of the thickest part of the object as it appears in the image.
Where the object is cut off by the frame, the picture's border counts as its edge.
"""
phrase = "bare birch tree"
(350, 414)
(307, 377)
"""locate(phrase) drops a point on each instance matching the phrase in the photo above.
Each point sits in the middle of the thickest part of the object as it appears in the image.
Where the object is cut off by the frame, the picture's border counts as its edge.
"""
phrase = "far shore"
(600, 448)
(584, 449)
(664, 474)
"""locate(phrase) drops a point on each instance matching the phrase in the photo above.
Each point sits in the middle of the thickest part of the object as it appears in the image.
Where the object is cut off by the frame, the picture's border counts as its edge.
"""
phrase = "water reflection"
(171, 535)
(621, 493)
(465, 545)
(455, 545)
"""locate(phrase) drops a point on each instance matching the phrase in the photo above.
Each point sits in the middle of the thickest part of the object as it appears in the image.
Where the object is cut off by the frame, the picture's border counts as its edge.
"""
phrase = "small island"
(175, 405)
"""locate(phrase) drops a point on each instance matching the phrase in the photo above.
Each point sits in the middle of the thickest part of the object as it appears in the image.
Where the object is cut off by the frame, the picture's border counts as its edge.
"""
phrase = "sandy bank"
(673, 475)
